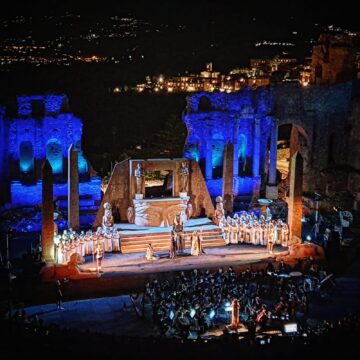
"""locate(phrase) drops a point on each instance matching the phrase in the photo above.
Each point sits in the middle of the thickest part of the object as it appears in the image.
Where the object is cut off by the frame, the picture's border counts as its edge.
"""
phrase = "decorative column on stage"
(271, 188)
(236, 147)
(47, 229)
(208, 159)
(73, 189)
(295, 197)
(228, 176)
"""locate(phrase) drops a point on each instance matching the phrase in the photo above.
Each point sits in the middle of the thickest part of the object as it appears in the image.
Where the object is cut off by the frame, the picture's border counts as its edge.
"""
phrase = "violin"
(261, 316)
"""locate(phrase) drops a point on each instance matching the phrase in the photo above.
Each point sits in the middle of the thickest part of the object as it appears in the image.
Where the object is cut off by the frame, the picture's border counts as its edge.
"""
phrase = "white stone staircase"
(160, 241)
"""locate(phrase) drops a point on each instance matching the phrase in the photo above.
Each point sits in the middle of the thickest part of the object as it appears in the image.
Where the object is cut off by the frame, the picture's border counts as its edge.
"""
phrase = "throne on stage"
(159, 191)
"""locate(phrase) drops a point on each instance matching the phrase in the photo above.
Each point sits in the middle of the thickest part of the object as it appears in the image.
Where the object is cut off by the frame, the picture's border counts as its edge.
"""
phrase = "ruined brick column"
(73, 189)
(295, 197)
(47, 225)
(271, 188)
(256, 152)
(208, 160)
(228, 176)
(236, 147)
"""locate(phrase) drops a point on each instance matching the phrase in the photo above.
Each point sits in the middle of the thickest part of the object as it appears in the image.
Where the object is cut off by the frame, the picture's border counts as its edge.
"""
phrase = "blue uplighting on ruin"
(44, 128)
(214, 119)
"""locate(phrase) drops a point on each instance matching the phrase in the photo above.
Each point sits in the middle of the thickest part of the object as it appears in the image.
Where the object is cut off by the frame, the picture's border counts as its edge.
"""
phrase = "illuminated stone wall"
(3, 157)
(47, 124)
(43, 128)
(325, 116)
(242, 118)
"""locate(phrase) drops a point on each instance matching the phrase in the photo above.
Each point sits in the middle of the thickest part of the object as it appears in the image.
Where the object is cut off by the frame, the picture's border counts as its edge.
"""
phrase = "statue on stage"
(184, 177)
(108, 219)
(139, 175)
(298, 250)
(219, 211)
(178, 225)
(71, 270)
(189, 211)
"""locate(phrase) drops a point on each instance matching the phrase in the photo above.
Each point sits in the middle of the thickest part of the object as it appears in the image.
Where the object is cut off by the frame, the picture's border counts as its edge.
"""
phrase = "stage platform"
(128, 273)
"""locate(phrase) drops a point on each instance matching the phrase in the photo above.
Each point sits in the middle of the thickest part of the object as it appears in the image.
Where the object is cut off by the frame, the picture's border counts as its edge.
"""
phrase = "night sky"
(190, 11)
(190, 34)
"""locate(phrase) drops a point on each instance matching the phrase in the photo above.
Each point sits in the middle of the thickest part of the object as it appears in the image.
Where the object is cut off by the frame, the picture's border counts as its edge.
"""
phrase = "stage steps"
(137, 242)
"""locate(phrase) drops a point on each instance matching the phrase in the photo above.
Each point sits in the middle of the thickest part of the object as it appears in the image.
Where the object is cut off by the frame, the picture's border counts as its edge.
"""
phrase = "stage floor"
(115, 264)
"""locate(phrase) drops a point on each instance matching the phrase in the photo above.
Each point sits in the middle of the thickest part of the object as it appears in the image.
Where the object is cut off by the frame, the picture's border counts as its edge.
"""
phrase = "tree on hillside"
(167, 142)
(170, 140)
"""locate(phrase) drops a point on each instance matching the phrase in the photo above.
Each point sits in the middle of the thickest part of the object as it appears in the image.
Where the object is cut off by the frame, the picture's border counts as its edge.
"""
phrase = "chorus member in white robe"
(248, 233)
(263, 239)
(279, 226)
(252, 234)
(60, 252)
(66, 251)
(77, 244)
(242, 228)
(285, 234)
(239, 224)
(221, 226)
(88, 242)
(71, 247)
(257, 234)
(234, 232)
(227, 227)
(82, 243)
(94, 239)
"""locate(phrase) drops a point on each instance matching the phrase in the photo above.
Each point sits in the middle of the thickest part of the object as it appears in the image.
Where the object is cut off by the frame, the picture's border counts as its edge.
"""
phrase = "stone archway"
(26, 158)
(241, 155)
(55, 156)
(218, 148)
(82, 162)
